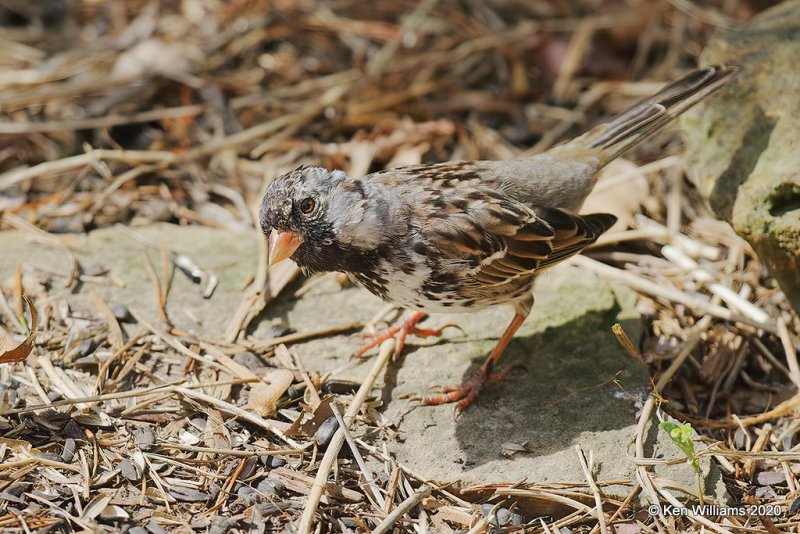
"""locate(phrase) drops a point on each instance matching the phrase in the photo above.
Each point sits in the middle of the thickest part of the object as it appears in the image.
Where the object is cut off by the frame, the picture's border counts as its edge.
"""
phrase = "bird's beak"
(282, 245)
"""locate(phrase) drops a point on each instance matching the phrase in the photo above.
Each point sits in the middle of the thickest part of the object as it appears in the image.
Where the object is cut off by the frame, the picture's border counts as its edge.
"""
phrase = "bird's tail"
(619, 135)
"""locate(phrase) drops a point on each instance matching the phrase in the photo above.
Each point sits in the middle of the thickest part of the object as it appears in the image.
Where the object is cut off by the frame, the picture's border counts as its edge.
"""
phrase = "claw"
(377, 339)
(400, 332)
(435, 332)
(464, 394)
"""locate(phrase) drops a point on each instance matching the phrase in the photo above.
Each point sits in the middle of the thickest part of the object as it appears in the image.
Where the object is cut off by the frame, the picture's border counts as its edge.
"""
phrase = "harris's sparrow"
(462, 235)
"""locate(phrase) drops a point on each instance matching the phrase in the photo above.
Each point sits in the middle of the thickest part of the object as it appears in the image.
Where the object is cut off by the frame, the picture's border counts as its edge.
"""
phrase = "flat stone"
(232, 257)
(742, 143)
(569, 382)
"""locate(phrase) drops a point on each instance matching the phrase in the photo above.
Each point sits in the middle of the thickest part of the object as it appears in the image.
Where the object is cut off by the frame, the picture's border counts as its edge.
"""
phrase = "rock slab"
(570, 382)
(743, 144)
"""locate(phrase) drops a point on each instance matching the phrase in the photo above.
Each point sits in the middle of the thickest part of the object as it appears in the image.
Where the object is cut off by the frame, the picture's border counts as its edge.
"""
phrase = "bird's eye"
(307, 205)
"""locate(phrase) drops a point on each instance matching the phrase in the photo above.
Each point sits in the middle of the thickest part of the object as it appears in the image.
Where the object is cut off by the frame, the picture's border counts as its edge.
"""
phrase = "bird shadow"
(563, 381)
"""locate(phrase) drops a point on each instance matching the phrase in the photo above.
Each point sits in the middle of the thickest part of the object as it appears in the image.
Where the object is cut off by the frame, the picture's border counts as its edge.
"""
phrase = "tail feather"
(619, 135)
(573, 232)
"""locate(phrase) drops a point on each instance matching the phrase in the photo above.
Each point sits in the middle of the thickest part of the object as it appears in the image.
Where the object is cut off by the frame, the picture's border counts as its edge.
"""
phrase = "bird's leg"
(464, 394)
(400, 332)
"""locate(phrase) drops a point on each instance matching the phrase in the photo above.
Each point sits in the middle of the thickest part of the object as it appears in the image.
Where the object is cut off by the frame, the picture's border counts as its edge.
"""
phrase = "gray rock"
(326, 431)
(122, 255)
(272, 461)
(271, 487)
(742, 144)
(502, 516)
(567, 394)
(68, 453)
(770, 478)
(577, 386)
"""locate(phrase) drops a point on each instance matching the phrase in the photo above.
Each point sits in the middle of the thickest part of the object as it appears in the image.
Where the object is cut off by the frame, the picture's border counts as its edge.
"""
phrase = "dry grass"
(132, 112)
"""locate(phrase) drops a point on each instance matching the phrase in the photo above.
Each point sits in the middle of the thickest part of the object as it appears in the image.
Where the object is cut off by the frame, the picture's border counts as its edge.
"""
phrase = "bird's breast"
(422, 289)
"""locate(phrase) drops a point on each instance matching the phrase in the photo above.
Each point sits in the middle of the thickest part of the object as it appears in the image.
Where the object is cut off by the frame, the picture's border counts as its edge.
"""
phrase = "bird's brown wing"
(573, 232)
(496, 240)
(530, 251)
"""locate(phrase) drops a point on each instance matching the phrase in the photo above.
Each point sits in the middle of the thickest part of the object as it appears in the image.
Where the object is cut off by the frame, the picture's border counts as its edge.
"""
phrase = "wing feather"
(496, 239)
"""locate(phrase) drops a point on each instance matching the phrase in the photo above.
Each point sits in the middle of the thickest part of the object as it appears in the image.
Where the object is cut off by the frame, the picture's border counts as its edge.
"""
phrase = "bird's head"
(318, 218)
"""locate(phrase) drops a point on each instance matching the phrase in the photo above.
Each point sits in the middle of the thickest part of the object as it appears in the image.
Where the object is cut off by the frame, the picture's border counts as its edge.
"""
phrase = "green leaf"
(681, 435)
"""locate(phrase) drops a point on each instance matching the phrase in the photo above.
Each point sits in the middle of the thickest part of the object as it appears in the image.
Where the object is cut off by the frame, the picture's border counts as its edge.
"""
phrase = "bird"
(460, 236)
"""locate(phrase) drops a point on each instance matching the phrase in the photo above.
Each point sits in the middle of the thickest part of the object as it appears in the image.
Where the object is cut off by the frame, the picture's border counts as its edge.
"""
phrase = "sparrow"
(461, 236)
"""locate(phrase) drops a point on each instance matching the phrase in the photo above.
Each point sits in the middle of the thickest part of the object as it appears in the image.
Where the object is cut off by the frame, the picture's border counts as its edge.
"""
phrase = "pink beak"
(282, 245)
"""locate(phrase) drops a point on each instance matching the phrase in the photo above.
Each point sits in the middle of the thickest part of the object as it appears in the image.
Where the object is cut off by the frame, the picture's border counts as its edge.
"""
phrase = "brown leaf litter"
(127, 112)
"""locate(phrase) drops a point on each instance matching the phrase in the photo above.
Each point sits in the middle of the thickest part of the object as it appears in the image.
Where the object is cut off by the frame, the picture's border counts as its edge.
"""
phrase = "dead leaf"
(509, 448)
(216, 434)
(620, 190)
(264, 396)
(21, 351)
(303, 427)
(17, 445)
(95, 507)
(188, 438)
(113, 511)
(454, 514)
(627, 527)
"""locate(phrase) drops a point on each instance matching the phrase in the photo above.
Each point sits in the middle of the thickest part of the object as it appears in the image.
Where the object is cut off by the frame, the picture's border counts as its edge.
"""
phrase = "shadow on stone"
(754, 142)
(575, 382)
(579, 387)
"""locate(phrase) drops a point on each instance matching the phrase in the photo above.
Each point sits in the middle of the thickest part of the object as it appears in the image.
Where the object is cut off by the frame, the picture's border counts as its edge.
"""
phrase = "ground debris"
(130, 113)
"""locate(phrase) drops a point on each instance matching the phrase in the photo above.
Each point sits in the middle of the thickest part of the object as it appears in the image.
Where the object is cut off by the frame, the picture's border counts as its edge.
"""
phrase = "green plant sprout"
(681, 435)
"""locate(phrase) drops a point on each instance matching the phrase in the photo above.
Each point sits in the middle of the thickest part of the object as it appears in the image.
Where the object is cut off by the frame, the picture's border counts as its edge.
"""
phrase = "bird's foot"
(400, 332)
(464, 394)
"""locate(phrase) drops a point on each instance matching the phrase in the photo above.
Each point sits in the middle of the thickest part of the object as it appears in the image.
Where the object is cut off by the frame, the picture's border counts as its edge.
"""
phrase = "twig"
(326, 464)
(231, 452)
(669, 293)
(576, 50)
(256, 296)
(382, 57)
(695, 518)
(703, 14)
(549, 496)
(371, 486)
(730, 297)
(173, 342)
(653, 166)
(598, 498)
(304, 336)
(408, 471)
(692, 340)
(480, 526)
(107, 121)
(53, 168)
(141, 392)
(791, 352)
(115, 338)
(239, 412)
(622, 507)
(642, 474)
(161, 300)
(403, 508)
